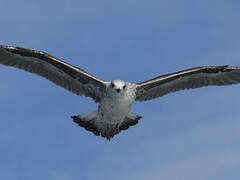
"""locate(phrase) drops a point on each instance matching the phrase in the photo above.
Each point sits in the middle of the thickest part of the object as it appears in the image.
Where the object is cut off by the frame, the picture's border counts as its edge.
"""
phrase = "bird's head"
(117, 86)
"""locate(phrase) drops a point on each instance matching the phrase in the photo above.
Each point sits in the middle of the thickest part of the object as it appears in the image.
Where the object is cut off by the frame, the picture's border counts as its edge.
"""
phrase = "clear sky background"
(192, 134)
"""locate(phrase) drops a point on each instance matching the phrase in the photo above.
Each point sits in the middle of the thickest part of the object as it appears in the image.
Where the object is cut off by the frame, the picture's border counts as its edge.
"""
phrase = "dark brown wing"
(187, 79)
(63, 74)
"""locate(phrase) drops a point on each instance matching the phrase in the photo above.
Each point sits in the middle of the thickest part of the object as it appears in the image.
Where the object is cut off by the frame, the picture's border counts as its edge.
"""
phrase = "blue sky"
(186, 135)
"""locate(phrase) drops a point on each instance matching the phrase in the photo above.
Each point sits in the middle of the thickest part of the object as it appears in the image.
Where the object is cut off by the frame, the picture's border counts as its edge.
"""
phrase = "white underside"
(115, 111)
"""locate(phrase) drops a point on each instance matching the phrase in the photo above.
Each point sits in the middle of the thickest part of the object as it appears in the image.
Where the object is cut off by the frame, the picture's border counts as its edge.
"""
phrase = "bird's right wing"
(63, 74)
(187, 79)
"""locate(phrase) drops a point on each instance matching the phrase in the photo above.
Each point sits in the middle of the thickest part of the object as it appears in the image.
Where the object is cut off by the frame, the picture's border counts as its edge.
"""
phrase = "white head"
(118, 86)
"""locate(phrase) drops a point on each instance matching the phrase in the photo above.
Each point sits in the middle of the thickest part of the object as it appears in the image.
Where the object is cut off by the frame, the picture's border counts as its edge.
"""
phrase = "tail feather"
(93, 122)
(88, 121)
(131, 120)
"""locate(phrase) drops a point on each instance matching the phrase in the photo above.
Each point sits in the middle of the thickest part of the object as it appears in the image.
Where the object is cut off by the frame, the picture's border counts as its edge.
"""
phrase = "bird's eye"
(124, 87)
(112, 85)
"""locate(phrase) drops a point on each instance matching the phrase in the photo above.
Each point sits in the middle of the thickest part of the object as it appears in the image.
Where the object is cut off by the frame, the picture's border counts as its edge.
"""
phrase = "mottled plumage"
(115, 98)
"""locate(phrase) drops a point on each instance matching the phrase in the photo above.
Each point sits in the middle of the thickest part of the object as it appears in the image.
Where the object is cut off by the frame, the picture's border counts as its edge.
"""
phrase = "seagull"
(115, 98)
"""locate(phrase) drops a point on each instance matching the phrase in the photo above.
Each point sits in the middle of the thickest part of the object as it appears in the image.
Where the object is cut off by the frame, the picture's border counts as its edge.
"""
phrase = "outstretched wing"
(63, 74)
(187, 79)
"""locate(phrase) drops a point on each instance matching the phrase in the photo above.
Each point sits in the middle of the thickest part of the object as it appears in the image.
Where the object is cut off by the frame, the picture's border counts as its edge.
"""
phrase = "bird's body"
(115, 98)
(114, 108)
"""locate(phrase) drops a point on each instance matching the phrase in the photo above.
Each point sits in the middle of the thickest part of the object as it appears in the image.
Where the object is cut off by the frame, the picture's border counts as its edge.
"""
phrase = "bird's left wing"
(63, 74)
(187, 79)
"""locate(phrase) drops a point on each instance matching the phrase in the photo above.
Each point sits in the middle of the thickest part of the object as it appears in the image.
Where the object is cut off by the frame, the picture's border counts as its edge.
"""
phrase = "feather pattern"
(187, 79)
(63, 74)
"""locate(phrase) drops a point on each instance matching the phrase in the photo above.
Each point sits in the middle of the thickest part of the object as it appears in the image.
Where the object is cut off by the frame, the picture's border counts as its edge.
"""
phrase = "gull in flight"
(115, 98)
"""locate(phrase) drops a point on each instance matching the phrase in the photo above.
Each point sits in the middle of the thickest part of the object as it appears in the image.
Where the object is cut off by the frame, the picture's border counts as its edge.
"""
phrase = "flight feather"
(61, 73)
(187, 79)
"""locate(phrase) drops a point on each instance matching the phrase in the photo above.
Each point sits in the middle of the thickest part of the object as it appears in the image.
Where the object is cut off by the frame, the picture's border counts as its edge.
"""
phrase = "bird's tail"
(90, 121)
(93, 122)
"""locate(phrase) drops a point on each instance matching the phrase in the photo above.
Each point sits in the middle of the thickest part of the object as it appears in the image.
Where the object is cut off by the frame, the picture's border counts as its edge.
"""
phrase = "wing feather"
(187, 79)
(63, 74)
